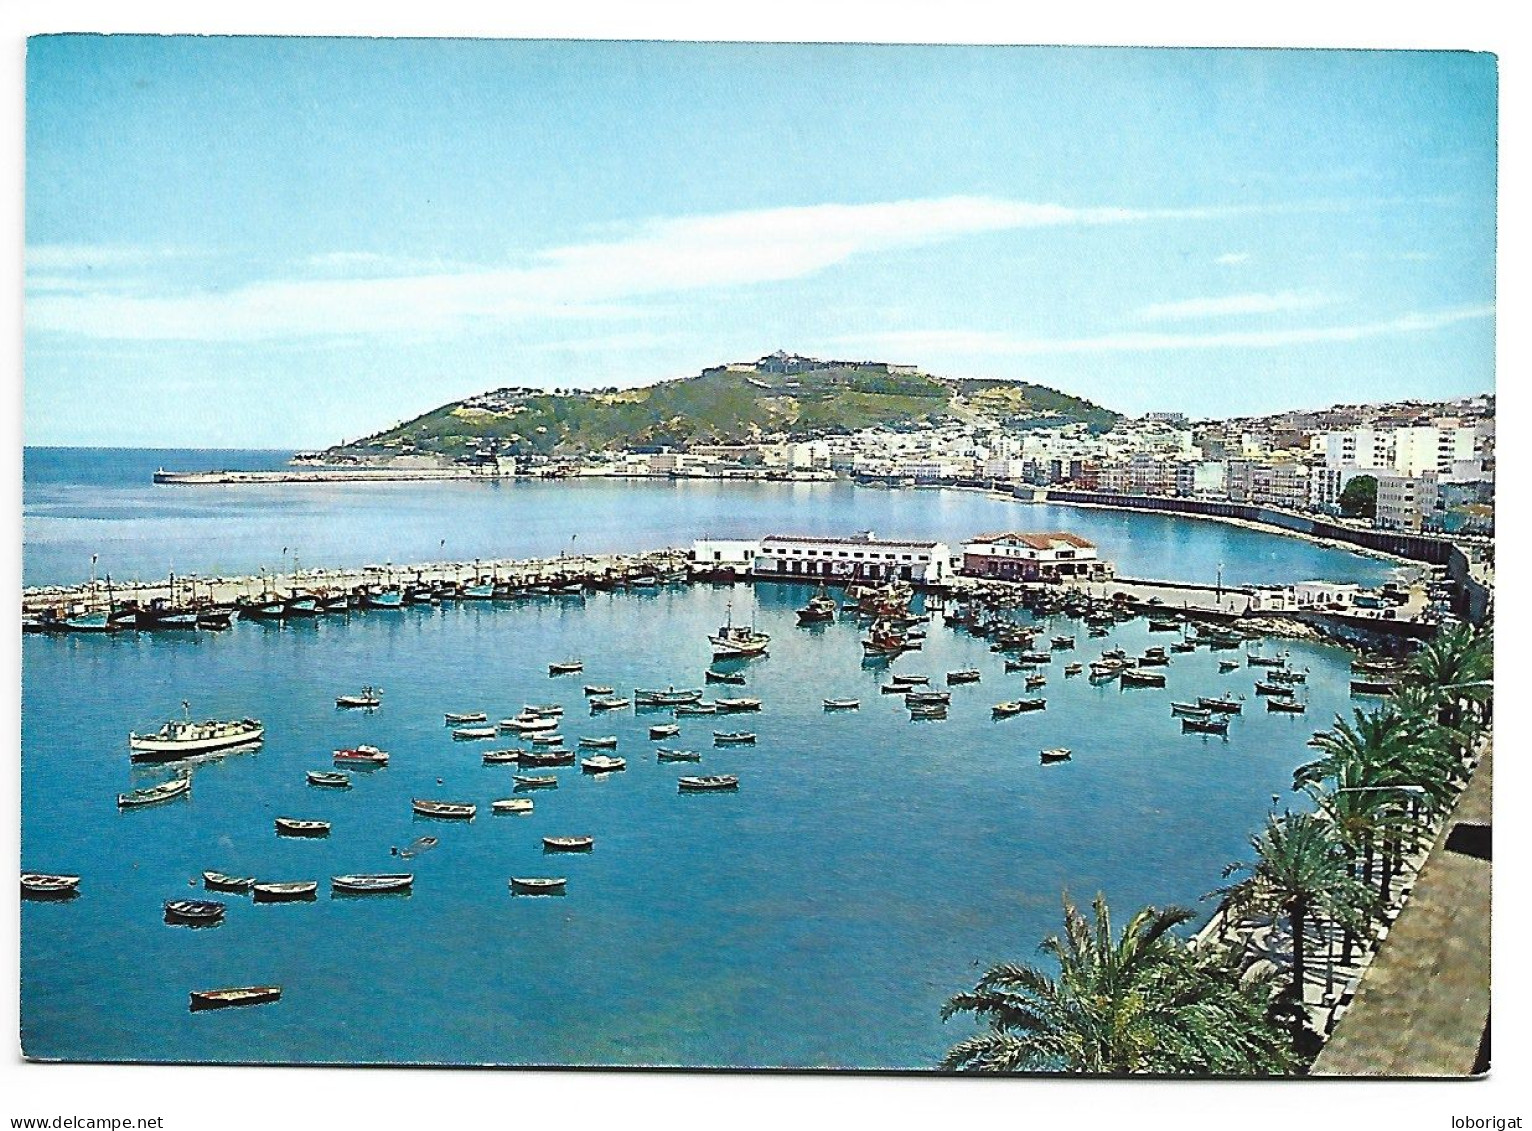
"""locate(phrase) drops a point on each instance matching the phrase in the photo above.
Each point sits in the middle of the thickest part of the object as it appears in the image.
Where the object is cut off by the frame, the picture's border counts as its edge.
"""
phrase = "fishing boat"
(534, 758)
(1036, 658)
(234, 996)
(1013, 666)
(842, 704)
(511, 805)
(664, 730)
(1036, 681)
(566, 667)
(459, 718)
(1130, 677)
(1286, 706)
(1153, 659)
(1183, 646)
(911, 698)
(444, 810)
(473, 734)
(711, 783)
(670, 697)
(546, 739)
(1227, 666)
(893, 689)
(1162, 625)
(1036, 704)
(687, 709)
(735, 678)
(535, 781)
(362, 755)
(910, 680)
(929, 712)
(181, 738)
(415, 847)
(737, 642)
(370, 699)
(734, 706)
(330, 779)
(610, 703)
(538, 885)
(666, 754)
(1190, 710)
(966, 675)
(1225, 705)
(593, 690)
(370, 883)
(301, 605)
(602, 764)
(1287, 675)
(1371, 687)
(1273, 689)
(292, 826)
(265, 607)
(194, 912)
(46, 885)
(1258, 661)
(218, 881)
(1007, 709)
(733, 738)
(1205, 726)
(1073, 669)
(383, 597)
(568, 843)
(529, 724)
(284, 891)
(1062, 643)
(1056, 754)
(605, 742)
(153, 794)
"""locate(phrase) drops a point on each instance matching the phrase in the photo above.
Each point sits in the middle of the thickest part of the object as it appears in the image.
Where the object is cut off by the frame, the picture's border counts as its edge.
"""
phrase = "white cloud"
(1225, 305)
(661, 256)
(1231, 258)
(926, 343)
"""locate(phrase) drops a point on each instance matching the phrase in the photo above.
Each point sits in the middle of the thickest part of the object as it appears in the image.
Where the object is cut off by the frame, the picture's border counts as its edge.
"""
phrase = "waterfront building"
(1406, 501)
(1268, 483)
(1331, 595)
(862, 557)
(1011, 556)
(724, 553)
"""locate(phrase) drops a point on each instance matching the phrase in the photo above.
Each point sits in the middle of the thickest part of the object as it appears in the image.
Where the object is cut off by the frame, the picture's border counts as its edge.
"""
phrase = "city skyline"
(249, 243)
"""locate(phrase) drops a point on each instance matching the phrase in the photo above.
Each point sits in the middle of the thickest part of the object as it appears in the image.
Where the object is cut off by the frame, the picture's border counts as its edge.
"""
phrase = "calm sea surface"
(868, 867)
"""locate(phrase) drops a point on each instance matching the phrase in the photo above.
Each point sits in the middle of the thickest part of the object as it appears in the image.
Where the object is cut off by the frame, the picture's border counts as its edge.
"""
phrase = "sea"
(868, 868)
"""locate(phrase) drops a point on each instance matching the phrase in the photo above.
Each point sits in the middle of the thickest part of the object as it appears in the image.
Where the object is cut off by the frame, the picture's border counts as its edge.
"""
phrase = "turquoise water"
(867, 868)
(80, 502)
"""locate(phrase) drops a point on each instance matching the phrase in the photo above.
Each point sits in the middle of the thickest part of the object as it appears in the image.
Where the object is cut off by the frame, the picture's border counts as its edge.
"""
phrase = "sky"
(284, 242)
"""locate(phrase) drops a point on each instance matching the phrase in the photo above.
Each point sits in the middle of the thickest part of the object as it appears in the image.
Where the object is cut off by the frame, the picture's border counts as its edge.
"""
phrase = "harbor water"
(868, 867)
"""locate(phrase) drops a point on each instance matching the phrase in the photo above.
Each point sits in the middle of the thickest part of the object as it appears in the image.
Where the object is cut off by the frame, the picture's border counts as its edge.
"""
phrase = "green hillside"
(777, 397)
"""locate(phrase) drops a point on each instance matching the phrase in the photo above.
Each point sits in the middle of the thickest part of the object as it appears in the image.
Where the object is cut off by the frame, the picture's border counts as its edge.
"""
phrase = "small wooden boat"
(1035, 658)
(1036, 681)
(1190, 710)
(1227, 666)
(1056, 754)
(528, 724)
(45, 885)
(1073, 669)
(541, 710)
(842, 704)
(1062, 643)
(458, 718)
(285, 892)
(369, 883)
(1208, 725)
(1038, 704)
(728, 706)
(154, 794)
(664, 730)
(1152, 659)
(1259, 661)
(1287, 675)
(1287, 706)
(194, 912)
(234, 996)
(1371, 687)
(568, 843)
(686, 710)
(594, 690)
(502, 757)
(1161, 625)
(546, 739)
(966, 675)
(444, 810)
(566, 667)
(1273, 689)
(292, 826)
(910, 680)
(668, 698)
(1007, 709)
(712, 783)
(538, 885)
(370, 699)
(361, 756)
(613, 703)
(606, 742)
(511, 805)
(535, 758)
(331, 779)
(601, 764)
(735, 678)
(1224, 705)
(733, 738)
(934, 711)
(535, 781)
(1183, 646)
(666, 754)
(1133, 678)
(893, 689)
(416, 847)
(218, 881)
(473, 734)
(911, 698)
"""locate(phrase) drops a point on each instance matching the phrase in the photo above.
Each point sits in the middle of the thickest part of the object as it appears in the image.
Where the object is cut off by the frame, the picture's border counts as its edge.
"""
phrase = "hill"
(780, 396)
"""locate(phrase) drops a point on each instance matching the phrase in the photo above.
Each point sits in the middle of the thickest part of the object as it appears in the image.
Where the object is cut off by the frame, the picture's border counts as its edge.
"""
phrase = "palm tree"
(1300, 869)
(1141, 1002)
(1458, 666)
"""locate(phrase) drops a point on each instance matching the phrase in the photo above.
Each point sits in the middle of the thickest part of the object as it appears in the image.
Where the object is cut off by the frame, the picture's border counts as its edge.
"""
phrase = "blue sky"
(287, 242)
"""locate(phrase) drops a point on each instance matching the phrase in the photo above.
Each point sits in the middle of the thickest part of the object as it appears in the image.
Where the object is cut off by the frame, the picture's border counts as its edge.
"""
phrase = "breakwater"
(330, 475)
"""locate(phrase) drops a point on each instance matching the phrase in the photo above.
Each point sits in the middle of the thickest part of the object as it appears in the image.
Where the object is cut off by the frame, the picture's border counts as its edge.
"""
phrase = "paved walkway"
(1423, 1007)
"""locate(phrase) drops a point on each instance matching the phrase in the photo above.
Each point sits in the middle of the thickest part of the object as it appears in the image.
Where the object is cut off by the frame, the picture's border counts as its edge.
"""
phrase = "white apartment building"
(1405, 501)
(717, 553)
(862, 557)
